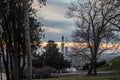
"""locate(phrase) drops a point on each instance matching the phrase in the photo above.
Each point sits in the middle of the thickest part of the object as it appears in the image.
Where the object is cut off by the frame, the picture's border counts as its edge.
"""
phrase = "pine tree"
(52, 57)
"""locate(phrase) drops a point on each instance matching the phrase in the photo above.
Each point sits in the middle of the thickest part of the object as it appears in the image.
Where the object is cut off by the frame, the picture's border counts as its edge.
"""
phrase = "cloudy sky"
(55, 22)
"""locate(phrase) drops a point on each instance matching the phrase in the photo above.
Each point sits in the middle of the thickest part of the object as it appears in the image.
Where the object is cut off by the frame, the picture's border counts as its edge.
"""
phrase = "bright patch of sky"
(55, 22)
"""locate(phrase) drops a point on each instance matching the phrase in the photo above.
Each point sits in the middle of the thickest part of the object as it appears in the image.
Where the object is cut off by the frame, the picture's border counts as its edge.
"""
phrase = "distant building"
(66, 53)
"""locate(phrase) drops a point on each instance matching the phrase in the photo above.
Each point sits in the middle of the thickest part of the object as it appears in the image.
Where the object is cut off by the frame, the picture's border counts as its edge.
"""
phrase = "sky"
(54, 19)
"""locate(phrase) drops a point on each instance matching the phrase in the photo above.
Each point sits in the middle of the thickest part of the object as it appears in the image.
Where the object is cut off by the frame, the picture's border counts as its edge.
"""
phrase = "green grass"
(117, 77)
(113, 65)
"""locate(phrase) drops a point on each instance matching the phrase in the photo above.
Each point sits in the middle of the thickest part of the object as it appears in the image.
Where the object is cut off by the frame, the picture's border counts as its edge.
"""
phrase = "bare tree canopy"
(97, 21)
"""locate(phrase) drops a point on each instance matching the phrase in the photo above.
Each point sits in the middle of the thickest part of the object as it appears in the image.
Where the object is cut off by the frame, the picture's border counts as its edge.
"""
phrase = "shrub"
(37, 73)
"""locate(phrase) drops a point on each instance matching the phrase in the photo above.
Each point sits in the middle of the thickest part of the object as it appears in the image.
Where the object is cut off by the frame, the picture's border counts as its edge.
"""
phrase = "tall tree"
(27, 40)
(93, 28)
(13, 49)
(52, 57)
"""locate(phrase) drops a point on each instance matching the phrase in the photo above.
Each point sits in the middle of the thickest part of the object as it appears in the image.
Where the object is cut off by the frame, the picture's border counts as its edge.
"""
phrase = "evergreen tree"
(52, 57)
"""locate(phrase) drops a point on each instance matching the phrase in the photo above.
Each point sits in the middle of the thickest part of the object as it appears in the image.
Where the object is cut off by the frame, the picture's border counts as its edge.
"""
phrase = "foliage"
(101, 63)
(52, 57)
(36, 33)
(86, 66)
(37, 73)
(37, 61)
(12, 23)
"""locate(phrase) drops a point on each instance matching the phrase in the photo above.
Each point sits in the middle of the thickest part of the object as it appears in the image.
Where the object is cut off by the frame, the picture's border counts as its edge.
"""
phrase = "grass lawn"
(113, 65)
(116, 77)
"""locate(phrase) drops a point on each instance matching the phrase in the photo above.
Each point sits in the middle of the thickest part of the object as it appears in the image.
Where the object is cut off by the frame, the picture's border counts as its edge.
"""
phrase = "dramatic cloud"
(55, 21)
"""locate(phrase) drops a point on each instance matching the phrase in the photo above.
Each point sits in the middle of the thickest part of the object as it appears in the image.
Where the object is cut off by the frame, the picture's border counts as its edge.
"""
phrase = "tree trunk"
(16, 66)
(6, 67)
(95, 67)
(90, 68)
(27, 40)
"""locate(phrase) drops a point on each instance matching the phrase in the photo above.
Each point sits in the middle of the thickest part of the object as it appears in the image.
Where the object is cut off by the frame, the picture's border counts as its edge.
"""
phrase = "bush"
(101, 63)
(37, 73)
(86, 66)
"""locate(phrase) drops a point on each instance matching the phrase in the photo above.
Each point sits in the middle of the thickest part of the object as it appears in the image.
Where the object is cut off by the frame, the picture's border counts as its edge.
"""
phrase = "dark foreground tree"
(94, 32)
(12, 41)
(53, 58)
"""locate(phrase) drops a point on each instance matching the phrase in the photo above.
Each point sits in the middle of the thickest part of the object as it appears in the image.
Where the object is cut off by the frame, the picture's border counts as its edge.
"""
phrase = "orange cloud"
(80, 45)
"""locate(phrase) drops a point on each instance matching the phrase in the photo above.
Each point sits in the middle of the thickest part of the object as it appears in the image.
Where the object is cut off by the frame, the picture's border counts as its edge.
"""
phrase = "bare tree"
(94, 28)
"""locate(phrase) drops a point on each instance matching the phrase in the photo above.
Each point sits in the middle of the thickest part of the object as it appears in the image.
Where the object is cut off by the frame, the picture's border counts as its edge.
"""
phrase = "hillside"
(113, 65)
